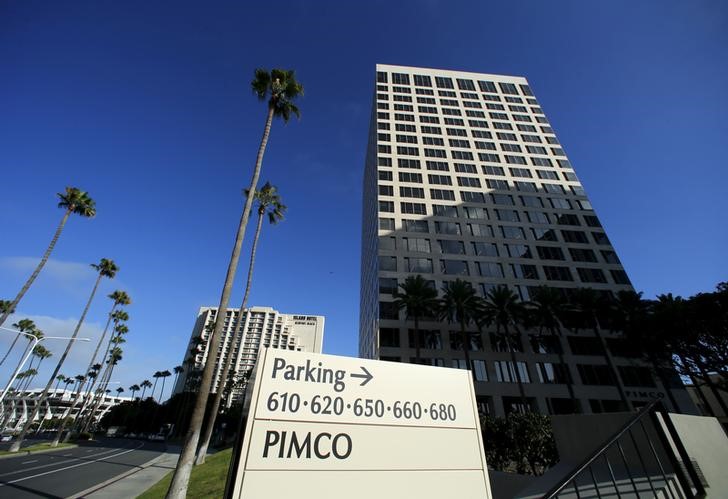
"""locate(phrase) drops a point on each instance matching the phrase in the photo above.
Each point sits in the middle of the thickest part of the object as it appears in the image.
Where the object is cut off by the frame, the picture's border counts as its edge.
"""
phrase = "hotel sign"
(321, 426)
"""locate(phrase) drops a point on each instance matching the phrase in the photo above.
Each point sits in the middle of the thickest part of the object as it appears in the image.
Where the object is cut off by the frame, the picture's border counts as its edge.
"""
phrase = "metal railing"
(688, 486)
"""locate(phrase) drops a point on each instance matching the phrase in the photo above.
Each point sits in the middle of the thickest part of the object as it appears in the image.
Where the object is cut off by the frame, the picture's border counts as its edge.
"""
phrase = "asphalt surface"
(66, 472)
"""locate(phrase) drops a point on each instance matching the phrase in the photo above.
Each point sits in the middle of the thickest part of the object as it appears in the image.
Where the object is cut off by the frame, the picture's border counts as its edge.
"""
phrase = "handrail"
(556, 489)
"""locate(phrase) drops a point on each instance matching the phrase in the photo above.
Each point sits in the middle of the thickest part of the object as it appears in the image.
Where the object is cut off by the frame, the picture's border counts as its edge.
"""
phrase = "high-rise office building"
(262, 327)
(466, 179)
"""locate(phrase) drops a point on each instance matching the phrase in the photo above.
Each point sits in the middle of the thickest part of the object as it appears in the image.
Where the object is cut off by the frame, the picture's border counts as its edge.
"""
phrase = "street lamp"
(30, 351)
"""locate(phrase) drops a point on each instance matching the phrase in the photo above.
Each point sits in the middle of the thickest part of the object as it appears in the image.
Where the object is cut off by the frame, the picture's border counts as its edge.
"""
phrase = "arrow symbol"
(367, 376)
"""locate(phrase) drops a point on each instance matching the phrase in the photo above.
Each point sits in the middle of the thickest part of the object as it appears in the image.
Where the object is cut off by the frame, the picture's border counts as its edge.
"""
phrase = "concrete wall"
(706, 442)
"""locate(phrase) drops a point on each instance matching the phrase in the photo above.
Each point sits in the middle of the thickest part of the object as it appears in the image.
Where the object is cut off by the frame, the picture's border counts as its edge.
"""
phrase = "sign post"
(322, 426)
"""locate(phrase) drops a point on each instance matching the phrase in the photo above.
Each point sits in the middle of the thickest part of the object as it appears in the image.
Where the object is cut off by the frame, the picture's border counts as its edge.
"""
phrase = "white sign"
(321, 426)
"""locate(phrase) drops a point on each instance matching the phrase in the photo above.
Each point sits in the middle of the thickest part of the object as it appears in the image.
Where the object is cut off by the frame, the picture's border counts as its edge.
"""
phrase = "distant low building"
(18, 405)
(262, 327)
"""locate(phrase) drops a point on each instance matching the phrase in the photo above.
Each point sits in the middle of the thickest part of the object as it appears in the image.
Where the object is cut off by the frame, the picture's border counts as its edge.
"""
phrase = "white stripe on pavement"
(70, 467)
(56, 463)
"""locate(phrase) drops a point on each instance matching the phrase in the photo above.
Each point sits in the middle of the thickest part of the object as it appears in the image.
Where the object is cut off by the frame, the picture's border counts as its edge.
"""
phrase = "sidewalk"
(136, 481)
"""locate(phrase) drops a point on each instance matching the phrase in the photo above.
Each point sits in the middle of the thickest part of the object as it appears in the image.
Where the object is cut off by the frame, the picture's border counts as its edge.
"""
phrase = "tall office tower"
(465, 179)
(262, 327)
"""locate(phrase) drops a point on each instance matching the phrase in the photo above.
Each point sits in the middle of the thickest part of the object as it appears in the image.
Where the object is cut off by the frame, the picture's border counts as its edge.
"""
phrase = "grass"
(35, 448)
(207, 480)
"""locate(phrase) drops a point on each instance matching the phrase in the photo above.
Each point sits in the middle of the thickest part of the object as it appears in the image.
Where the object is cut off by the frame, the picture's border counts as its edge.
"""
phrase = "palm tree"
(503, 308)
(164, 375)
(59, 378)
(134, 389)
(145, 384)
(28, 327)
(419, 299)
(546, 308)
(590, 305)
(156, 376)
(118, 298)
(177, 371)
(74, 201)
(4, 306)
(115, 356)
(460, 304)
(269, 201)
(280, 88)
(119, 391)
(105, 268)
(41, 353)
(24, 326)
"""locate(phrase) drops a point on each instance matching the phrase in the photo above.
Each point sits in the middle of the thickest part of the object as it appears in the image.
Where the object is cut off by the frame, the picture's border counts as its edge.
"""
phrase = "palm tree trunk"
(98, 397)
(466, 345)
(37, 270)
(155, 387)
(180, 479)
(62, 426)
(12, 345)
(15, 447)
(144, 389)
(417, 340)
(212, 415)
(569, 384)
(610, 365)
(511, 348)
(58, 382)
(659, 370)
(161, 395)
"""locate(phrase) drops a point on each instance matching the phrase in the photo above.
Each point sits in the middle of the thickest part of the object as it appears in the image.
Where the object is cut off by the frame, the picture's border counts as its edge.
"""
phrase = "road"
(66, 472)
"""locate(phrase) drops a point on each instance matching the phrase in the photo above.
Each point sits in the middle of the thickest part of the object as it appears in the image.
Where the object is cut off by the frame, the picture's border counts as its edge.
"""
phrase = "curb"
(32, 452)
(99, 486)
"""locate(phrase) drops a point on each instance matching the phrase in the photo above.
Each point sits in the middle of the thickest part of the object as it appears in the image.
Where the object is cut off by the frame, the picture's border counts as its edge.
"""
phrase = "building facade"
(262, 327)
(17, 406)
(466, 179)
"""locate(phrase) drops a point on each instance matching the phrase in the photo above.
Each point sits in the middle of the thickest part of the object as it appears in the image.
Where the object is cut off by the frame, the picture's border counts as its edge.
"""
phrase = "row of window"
(461, 268)
(477, 197)
(475, 134)
(484, 230)
(383, 104)
(427, 96)
(480, 248)
(431, 339)
(444, 82)
(481, 122)
(510, 215)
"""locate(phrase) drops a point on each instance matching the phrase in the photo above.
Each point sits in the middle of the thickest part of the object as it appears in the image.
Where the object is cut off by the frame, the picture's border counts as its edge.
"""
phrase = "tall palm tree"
(41, 353)
(461, 304)
(119, 391)
(177, 371)
(4, 306)
(502, 308)
(280, 88)
(24, 326)
(164, 375)
(590, 305)
(105, 268)
(73, 201)
(269, 201)
(546, 308)
(134, 389)
(156, 376)
(118, 298)
(115, 356)
(634, 319)
(145, 384)
(419, 299)
(59, 379)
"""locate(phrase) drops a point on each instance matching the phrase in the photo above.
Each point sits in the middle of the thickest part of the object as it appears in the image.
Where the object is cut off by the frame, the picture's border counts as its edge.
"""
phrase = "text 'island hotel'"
(465, 178)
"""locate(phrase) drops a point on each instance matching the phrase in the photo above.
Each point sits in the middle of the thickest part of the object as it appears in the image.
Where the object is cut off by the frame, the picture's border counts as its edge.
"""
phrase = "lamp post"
(36, 341)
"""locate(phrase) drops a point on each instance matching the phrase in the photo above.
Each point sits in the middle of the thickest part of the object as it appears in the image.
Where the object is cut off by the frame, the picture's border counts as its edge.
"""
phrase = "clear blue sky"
(147, 106)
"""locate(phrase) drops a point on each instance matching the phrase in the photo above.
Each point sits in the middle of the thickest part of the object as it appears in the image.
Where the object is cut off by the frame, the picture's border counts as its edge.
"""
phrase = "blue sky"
(147, 106)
